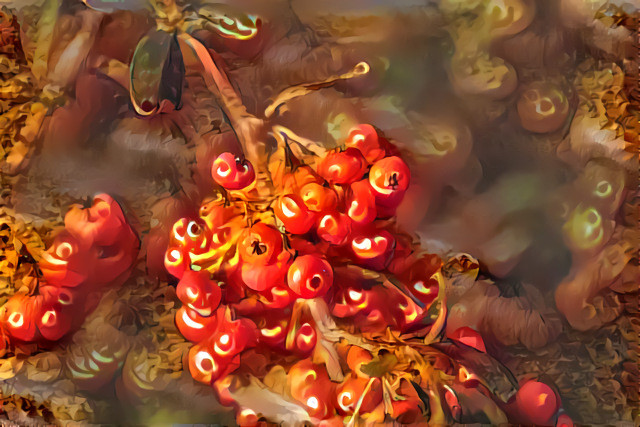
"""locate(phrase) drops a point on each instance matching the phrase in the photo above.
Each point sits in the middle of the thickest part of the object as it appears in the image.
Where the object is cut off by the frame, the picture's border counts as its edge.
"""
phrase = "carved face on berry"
(177, 261)
(310, 385)
(361, 203)
(365, 138)
(373, 248)
(318, 198)
(54, 320)
(101, 224)
(232, 172)
(191, 234)
(19, 317)
(193, 326)
(294, 214)
(334, 227)
(343, 167)
(66, 262)
(310, 276)
(198, 292)
(204, 365)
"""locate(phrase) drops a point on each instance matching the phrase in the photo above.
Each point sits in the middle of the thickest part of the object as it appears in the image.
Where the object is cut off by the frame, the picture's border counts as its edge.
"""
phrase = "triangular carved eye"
(258, 248)
(393, 181)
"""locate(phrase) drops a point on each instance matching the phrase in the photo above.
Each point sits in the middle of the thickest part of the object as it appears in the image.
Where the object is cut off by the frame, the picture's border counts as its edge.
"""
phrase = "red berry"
(193, 326)
(310, 276)
(365, 138)
(54, 320)
(537, 401)
(260, 245)
(318, 198)
(311, 386)
(564, 421)
(306, 339)
(66, 262)
(274, 331)
(389, 179)
(294, 214)
(277, 297)
(19, 317)
(215, 214)
(177, 261)
(350, 301)
(232, 172)
(420, 280)
(470, 337)
(373, 249)
(198, 292)
(262, 277)
(343, 167)
(361, 203)
(334, 227)
(192, 235)
(348, 393)
(232, 336)
(205, 366)
(101, 224)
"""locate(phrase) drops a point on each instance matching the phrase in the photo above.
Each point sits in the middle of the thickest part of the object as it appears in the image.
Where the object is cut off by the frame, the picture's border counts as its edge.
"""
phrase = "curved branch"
(248, 128)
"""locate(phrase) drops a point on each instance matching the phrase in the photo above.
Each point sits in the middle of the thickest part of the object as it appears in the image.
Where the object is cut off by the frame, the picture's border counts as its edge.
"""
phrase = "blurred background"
(517, 117)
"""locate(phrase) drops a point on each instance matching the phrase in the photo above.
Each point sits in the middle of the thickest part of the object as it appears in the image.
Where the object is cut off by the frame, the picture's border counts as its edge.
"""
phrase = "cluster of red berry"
(333, 216)
(96, 249)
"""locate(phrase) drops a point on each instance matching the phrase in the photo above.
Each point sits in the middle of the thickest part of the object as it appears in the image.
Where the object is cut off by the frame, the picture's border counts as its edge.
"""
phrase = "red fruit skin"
(406, 411)
(470, 337)
(310, 276)
(100, 225)
(364, 137)
(19, 317)
(334, 227)
(537, 402)
(191, 234)
(215, 214)
(198, 292)
(260, 244)
(274, 332)
(564, 421)
(204, 365)
(305, 340)
(373, 248)
(389, 179)
(277, 297)
(349, 391)
(231, 337)
(294, 214)
(344, 167)
(194, 327)
(55, 320)
(419, 278)
(351, 301)
(67, 262)
(232, 172)
(177, 261)
(310, 385)
(262, 277)
(318, 198)
(360, 203)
